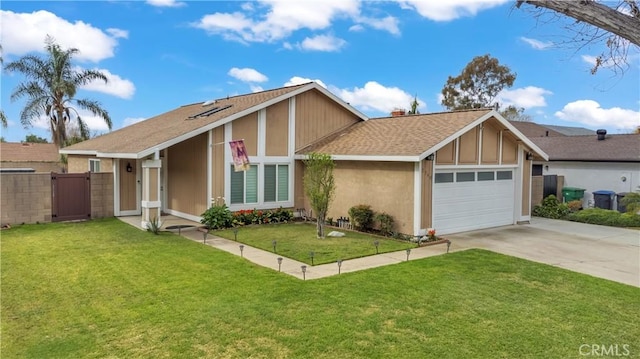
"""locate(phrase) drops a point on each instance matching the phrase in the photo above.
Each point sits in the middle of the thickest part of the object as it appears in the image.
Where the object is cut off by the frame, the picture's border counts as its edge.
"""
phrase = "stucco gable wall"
(385, 186)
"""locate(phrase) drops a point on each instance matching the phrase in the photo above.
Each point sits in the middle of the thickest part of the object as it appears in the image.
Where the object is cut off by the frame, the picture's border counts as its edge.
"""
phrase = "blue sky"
(162, 54)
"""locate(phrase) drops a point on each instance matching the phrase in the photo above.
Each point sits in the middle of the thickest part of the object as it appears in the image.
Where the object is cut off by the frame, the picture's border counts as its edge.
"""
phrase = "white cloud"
(389, 24)
(25, 32)
(327, 43)
(526, 97)
(131, 120)
(297, 80)
(356, 28)
(376, 97)
(589, 112)
(166, 3)
(275, 20)
(116, 85)
(247, 75)
(256, 88)
(449, 10)
(537, 44)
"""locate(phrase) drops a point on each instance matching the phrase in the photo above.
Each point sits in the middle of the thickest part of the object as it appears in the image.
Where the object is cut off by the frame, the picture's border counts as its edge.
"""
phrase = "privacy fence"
(52, 197)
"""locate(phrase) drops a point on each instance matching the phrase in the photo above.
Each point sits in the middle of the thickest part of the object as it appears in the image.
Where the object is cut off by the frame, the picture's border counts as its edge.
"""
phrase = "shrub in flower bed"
(253, 216)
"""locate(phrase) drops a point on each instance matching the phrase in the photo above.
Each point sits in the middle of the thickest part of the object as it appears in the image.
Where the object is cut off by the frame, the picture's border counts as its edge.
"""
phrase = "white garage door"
(473, 199)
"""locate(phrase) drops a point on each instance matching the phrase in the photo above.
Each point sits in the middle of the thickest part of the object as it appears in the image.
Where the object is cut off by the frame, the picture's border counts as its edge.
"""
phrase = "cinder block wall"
(26, 198)
(101, 195)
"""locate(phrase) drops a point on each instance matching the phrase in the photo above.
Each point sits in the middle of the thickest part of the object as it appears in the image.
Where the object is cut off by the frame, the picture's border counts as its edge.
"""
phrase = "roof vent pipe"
(601, 133)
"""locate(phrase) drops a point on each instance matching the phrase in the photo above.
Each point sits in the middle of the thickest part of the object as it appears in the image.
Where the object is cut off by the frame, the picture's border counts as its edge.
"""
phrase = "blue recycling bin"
(603, 199)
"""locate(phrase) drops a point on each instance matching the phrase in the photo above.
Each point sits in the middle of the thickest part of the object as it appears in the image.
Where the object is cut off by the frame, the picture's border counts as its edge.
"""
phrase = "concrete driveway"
(605, 252)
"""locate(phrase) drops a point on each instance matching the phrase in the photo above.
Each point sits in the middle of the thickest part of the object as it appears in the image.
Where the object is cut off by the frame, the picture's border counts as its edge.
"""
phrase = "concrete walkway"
(601, 251)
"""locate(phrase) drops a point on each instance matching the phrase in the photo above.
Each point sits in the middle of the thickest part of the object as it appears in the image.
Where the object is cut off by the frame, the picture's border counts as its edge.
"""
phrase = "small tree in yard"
(319, 185)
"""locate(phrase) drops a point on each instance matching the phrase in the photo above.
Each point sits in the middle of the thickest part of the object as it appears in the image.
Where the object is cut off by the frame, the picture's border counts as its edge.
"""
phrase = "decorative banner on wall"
(240, 157)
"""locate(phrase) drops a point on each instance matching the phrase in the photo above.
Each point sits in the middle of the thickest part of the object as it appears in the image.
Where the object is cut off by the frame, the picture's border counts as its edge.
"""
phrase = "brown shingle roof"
(409, 135)
(28, 152)
(154, 131)
(531, 129)
(615, 148)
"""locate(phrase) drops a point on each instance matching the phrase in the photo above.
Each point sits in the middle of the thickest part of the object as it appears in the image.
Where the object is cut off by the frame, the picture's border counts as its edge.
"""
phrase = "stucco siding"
(187, 182)
(80, 164)
(385, 186)
(277, 138)
(318, 116)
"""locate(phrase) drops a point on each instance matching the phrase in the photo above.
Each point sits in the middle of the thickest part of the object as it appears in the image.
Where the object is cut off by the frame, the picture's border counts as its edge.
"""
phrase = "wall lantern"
(529, 156)
(129, 168)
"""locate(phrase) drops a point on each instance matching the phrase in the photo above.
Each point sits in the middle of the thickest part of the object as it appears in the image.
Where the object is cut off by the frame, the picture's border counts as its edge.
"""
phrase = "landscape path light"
(376, 243)
(304, 271)
(339, 265)
(279, 264)
(408, 252)
(241, 249)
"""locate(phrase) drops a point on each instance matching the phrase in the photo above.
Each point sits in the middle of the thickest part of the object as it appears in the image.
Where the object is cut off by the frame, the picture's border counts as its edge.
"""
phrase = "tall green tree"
(513, 113)
(413, 106)
(319, 186)
(3, 117)
(50, 89)
(34, 139)
(478, 84)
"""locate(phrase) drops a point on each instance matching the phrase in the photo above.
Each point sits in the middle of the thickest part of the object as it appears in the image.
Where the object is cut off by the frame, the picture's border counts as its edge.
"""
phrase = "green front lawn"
(298, 240)
(105, 289)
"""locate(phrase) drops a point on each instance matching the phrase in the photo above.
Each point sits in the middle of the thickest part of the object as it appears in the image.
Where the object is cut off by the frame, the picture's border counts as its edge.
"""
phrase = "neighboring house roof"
(531, 129)
(144, 138)
(405, 138)
(614, 148)
(571, 131)
(28, 152)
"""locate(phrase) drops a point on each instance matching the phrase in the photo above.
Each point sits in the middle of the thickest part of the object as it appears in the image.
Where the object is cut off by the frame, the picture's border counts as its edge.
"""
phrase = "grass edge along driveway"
(105, 289)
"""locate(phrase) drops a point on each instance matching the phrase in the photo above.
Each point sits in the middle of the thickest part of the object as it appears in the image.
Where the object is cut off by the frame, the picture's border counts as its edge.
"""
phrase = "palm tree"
(3, 118)
(51, 89)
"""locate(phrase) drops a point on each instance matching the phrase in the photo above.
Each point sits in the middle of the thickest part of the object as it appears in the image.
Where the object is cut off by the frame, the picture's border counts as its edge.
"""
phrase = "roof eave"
(400, 158)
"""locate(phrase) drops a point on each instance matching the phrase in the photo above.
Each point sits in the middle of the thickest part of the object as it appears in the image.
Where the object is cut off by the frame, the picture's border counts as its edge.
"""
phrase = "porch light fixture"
(304, 271)
(241, 249)
(339, 265)
(279, 264)
(529, 156)
(408, 252)
(430, 157)
(129, 168)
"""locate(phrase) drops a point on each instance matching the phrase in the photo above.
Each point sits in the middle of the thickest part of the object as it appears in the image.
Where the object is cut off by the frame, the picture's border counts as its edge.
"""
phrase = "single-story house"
(598, 162)
(453, 171)
(29, 157)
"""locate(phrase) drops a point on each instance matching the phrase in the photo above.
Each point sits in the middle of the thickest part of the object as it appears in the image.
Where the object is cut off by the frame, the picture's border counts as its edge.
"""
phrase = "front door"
(130, 185)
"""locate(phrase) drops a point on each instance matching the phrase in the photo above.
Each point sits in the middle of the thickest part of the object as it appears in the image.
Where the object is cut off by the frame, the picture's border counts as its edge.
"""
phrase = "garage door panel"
(464, 206)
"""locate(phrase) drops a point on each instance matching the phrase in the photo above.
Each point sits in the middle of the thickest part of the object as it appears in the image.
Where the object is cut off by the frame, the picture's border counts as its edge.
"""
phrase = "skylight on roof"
(210, 112)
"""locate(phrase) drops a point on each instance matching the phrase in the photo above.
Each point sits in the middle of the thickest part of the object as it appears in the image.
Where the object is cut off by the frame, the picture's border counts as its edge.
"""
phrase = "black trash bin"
(621, 207)
(603, 199)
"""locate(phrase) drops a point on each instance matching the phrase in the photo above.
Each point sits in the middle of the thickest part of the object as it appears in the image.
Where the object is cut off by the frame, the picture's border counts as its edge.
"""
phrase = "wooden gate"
(70, 196)
(550, 186)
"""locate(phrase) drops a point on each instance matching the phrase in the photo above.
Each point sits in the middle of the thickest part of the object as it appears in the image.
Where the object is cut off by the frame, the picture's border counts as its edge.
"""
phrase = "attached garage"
(454, 171)
(473, 199)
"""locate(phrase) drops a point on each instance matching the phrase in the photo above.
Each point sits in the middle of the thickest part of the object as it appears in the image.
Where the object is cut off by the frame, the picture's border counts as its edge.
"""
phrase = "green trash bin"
(572, 194)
